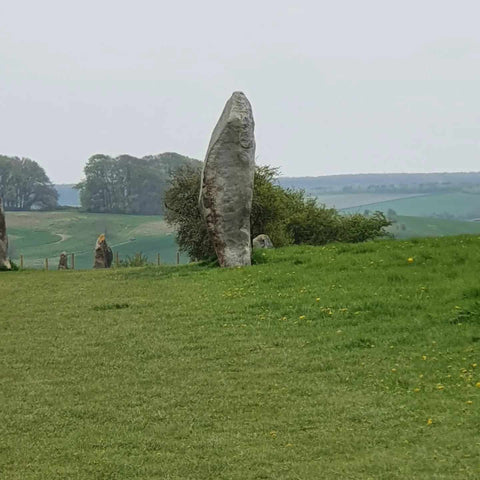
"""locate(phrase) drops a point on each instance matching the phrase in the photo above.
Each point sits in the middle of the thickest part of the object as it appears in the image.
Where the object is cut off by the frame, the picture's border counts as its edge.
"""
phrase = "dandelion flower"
(410, 260)
(469, 402)
(424, 357)
(477, 384)
(301, 317)
(429, 421)
(440, 387)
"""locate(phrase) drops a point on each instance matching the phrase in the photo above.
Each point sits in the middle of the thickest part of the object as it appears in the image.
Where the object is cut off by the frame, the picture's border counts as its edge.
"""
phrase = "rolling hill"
(460, 205)
(37, 235)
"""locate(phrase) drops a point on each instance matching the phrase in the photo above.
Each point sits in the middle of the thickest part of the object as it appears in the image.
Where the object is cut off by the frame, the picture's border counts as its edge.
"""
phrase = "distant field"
(346, 200)
(408, 227)
(37, 235)
(460, 205)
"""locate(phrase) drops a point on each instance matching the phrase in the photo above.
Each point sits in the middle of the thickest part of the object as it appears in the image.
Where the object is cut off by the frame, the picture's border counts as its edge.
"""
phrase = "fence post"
(21, 261)
(158, 259)
(46, 264)
(178, 257)
(117, 260)
(73, 261)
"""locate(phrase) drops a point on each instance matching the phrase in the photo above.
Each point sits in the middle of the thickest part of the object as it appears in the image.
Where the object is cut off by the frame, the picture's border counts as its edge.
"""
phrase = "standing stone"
(103, 253)
(227, 182)
(4, 262)
(262, 241)
(63, 263)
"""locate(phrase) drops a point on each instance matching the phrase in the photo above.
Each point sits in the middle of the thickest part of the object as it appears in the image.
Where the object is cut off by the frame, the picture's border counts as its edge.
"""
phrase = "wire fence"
(69, 263)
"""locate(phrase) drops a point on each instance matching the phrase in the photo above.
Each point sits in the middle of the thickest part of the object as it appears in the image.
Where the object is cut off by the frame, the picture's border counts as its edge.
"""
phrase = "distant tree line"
(24, 185)
(127, 184)
(415, 188)
(385, 182)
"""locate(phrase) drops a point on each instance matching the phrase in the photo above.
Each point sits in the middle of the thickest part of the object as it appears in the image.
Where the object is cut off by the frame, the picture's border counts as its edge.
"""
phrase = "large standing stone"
(227, 182)
(4, 262)
(103, 253)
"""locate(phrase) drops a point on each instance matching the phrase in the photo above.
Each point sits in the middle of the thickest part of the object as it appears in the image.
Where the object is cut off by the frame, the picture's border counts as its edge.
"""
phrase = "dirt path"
(62, 236)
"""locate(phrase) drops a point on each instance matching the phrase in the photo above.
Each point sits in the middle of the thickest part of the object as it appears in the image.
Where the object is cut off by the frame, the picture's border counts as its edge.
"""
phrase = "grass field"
(459, 205)
(37, 235)
(336, 362)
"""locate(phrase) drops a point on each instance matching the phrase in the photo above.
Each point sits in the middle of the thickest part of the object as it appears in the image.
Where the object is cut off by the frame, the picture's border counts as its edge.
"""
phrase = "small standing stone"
(262, 241)
(103, 253)
(4, 261)
(63, 263)
(227, 183)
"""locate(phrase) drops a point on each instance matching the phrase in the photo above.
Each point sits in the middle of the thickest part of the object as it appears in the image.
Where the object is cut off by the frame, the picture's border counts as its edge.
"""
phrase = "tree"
(127, 184)
(24, 185)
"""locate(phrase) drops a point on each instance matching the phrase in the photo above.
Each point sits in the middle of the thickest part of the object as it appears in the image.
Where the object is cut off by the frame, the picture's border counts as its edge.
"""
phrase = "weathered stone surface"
(103, 253)
(63, 262)
(262, 241)
(227, 182)
(4, 262)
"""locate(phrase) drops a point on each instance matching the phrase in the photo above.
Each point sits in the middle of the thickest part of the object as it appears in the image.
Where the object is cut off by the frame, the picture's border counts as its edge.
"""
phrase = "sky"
(336, 87)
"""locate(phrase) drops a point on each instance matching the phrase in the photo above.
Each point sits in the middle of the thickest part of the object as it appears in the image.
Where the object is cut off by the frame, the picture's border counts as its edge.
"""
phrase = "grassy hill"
(37, 235)
(344, 361)
(405, 227)
(459, 205)
(342, 201)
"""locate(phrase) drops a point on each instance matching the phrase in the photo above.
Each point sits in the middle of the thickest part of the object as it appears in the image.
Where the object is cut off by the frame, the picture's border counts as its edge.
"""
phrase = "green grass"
(323, 362)
(460, 205)
(37, 235)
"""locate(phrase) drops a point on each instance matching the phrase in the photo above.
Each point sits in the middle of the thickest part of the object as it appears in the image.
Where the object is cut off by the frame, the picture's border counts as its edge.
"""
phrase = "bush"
(357, 228)
(287, 216)
(138, 260)
(182, 211)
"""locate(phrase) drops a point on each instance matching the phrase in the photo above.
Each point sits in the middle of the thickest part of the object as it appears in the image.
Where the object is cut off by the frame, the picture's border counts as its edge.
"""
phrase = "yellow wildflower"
(429, 421)
(410, 260)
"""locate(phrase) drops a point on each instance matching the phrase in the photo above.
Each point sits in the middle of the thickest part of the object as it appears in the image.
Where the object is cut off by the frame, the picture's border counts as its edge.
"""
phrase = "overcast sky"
(336, 86)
